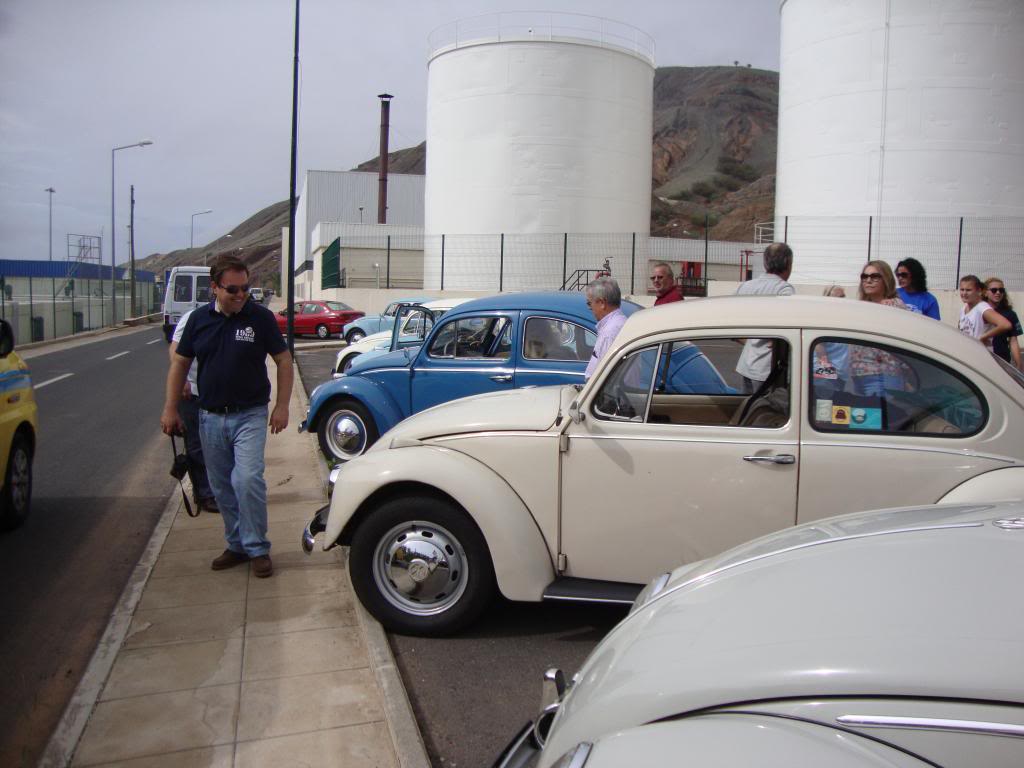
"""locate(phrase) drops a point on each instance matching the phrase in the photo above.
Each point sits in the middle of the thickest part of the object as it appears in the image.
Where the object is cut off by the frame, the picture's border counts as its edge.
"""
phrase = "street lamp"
(113, 229)
(360, 214)
(192, 231)
(51, 190)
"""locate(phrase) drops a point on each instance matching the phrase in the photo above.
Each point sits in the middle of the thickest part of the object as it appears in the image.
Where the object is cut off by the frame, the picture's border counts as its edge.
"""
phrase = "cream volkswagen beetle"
(878, 639)
(585, 493)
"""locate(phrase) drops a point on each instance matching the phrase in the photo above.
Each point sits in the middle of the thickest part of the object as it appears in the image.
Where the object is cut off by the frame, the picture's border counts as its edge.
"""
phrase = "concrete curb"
(64, 740)
(405, 733)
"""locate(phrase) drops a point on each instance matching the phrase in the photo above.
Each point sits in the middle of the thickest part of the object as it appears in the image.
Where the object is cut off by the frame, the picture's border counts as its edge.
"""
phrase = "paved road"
(471, 693)
(100, 483)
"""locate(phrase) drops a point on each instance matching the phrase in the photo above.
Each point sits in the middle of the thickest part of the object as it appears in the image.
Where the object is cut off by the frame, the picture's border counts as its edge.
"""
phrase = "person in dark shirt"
(1005, 345)
(665, 284)
(230, 338)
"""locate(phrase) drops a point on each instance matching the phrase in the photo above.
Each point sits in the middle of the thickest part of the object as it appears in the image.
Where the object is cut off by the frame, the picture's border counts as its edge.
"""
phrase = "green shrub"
(682, 194)
(727, 183)
(732, 167)
(704, 189)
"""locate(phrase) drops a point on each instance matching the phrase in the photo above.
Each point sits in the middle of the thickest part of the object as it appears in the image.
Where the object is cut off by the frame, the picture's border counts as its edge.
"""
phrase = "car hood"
(532, 409)
(904, 602)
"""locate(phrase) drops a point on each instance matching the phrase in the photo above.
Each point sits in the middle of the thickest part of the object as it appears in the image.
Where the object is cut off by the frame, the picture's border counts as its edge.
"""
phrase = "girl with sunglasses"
(878, 285)
(977, 318)
(913, 288)
(1005, 345)
(875, 371)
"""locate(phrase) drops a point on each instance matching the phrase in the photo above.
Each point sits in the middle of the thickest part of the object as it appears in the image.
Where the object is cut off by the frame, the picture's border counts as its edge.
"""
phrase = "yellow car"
(17, 433)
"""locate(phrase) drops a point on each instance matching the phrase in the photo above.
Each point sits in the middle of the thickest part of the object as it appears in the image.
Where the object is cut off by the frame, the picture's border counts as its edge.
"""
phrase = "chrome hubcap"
(420, 568)
(346, 434)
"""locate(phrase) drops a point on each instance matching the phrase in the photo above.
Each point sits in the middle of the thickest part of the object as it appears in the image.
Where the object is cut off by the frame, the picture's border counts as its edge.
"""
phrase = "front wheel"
(421, 566)
(354, 335)
(16, 498)
(323, 332)
(346, 429)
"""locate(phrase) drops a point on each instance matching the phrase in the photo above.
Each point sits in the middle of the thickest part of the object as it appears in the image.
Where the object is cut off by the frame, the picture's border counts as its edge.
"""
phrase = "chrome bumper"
(317, 525)
(304, 422)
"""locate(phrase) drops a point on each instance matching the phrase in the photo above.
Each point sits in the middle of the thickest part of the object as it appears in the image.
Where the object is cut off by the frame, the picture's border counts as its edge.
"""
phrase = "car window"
(312, 309)
(337, 306)
(474, 337)
(695, 382)
(860, 386)
(546, 338)
(183, 287)
(203, 291)
(391, 310)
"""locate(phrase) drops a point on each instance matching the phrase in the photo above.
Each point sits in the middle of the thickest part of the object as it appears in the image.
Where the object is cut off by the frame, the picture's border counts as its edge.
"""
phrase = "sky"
(209, 82)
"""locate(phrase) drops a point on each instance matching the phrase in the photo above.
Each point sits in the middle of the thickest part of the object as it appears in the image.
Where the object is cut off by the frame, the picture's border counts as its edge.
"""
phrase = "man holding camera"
(231, 338)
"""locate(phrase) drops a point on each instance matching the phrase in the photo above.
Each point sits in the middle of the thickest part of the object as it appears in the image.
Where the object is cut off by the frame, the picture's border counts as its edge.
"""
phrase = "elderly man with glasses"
(605, 300)
(231, 338)
(665, 284)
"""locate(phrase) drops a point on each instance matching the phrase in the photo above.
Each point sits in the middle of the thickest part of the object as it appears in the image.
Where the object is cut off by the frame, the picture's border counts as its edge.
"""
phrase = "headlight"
(649, 592)
(575, 757)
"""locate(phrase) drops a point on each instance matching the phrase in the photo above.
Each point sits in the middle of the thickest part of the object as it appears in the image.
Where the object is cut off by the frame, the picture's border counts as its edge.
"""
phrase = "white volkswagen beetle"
(569, 493)
(874, 639)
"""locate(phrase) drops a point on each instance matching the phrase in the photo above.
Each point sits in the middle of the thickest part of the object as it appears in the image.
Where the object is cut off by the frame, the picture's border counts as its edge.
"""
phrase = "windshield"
(337, 306)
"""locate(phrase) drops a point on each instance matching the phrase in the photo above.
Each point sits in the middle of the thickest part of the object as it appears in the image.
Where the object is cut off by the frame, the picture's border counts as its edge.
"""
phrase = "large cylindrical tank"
(901, 108)
(536, 123)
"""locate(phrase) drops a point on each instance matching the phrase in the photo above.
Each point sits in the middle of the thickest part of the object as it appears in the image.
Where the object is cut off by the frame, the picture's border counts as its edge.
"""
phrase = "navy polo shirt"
(232, 354)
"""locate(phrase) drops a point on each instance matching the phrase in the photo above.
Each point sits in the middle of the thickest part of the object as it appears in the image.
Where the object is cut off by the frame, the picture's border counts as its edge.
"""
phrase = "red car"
(322, 318)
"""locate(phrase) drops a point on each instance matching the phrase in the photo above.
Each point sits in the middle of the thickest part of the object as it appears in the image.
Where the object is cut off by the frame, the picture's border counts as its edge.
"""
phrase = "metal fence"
(40, 308)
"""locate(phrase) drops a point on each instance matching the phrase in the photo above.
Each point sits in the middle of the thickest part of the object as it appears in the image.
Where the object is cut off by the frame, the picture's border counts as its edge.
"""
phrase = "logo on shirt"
(245, 334)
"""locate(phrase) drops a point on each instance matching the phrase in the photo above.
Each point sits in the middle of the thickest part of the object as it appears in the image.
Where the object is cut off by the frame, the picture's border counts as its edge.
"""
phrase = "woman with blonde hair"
(878, 285)
(1005, 344)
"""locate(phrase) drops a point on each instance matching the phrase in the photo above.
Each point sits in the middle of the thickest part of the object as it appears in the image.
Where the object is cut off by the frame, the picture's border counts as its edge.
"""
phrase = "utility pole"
(131, 250)
(382, 181)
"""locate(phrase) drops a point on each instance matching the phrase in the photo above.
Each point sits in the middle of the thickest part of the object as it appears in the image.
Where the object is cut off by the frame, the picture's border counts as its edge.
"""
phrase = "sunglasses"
(997, 290)
(234, 289)
(870, 278)
(902, 274)
(655, 278)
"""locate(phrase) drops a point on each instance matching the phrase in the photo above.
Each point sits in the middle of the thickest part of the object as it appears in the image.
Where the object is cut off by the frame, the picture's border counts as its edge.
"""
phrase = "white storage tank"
(536, 123)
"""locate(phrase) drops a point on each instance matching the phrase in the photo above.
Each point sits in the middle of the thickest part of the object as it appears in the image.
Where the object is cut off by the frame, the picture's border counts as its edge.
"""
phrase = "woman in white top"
(977, 318)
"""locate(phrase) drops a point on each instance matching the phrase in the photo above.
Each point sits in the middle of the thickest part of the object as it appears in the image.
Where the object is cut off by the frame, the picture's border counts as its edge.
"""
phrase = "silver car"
(886, 638)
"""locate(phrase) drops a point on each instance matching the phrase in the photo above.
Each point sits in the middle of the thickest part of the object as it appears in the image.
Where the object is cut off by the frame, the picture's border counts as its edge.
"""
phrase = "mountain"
(712, 155)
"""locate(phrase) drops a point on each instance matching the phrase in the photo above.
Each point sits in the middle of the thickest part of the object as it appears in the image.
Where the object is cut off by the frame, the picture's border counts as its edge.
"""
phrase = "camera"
(179, 467)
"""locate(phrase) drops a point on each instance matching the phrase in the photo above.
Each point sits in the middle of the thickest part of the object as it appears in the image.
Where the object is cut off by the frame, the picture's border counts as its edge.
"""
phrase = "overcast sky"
(209, 82)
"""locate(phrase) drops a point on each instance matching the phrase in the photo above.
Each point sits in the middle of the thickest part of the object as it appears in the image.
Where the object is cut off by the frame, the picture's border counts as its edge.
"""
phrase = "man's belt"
(224, 409)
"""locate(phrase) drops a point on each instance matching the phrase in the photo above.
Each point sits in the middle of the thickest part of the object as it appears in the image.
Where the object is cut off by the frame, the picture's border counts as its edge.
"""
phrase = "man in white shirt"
(755, 361)
(605, 300)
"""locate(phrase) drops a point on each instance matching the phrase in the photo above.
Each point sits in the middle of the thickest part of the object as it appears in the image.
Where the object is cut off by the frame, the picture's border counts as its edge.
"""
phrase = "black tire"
(16, 498)
(345, 429)
(323, 332)
(356, 334)
(456, 591)
(347, 362)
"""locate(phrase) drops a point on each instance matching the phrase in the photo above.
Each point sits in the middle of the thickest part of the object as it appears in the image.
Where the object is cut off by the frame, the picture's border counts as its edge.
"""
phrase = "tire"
(347, 362)
(16, 498)
(356, 334)
(345, 430)
(323, 332)
(421, 566)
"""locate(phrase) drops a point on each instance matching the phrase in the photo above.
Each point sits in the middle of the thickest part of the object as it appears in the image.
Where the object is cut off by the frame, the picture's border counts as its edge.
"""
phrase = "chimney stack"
(382, 192)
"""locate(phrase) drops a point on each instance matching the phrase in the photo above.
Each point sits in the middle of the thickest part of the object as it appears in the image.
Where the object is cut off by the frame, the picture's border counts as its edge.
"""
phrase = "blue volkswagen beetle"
(369, 324)
(486, 345)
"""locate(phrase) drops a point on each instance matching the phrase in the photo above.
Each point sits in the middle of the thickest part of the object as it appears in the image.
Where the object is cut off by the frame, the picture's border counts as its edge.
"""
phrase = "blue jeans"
(233, 447)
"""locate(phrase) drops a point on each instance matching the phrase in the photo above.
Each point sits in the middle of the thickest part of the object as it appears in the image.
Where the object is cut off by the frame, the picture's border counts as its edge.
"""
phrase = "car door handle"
(502, 377)
(782, 458)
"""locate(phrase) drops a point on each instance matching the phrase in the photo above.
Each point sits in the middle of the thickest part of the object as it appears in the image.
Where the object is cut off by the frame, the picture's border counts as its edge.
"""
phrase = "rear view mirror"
(6, 338)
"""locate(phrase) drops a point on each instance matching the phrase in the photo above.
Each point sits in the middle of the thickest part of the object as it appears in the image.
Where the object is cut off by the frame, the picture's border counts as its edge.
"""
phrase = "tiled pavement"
(221, 669)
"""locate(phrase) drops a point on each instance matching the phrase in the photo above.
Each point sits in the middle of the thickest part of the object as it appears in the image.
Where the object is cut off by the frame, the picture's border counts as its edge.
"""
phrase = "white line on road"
(119, 354)
(154, 341)
(42, 384)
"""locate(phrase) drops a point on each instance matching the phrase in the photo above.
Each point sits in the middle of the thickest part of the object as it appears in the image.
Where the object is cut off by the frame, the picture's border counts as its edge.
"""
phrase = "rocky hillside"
(712, 159)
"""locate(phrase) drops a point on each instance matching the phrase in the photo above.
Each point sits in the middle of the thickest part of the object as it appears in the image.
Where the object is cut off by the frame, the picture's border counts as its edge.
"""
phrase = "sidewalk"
(221, 669)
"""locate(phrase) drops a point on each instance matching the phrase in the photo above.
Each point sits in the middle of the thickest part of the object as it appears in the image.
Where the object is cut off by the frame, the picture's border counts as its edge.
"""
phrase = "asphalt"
(223, 669)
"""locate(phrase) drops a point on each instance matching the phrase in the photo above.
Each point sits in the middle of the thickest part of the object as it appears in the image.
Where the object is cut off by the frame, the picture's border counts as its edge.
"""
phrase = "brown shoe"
(210, 505)
(228, 559)
(262, 567)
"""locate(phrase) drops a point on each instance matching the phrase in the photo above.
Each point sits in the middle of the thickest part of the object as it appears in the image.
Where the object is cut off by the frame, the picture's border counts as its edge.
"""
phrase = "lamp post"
(360, 214)
(51, 190)
(113, 229)
(192, 231)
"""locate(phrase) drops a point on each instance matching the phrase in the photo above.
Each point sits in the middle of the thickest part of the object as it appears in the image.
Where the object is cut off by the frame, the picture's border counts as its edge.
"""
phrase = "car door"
(312, 315)
(890, 424)
(665, 469)
(554, 349)
(466, 355)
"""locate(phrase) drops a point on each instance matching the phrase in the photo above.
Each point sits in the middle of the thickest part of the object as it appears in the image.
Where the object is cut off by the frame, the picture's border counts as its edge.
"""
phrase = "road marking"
(154, 341)
(50, 381)
(119, 354)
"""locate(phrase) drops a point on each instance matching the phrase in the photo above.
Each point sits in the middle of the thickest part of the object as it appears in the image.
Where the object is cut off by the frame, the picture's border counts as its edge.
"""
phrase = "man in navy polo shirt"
(231, 338)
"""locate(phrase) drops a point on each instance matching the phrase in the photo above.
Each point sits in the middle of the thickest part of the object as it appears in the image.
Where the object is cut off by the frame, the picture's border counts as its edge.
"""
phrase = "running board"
(592, 591)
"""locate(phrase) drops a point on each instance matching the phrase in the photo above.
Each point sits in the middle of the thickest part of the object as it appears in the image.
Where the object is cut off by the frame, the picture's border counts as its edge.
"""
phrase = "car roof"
(818, 312)
(573, 302)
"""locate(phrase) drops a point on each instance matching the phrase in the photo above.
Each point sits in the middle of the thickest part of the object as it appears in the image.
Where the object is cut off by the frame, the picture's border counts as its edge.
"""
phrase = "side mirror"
(6, 338)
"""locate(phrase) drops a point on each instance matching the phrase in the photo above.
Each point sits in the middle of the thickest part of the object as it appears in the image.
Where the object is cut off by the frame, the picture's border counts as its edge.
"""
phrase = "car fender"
(1004, 484)
(522, 562)
(381, 405)
(368, 325)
